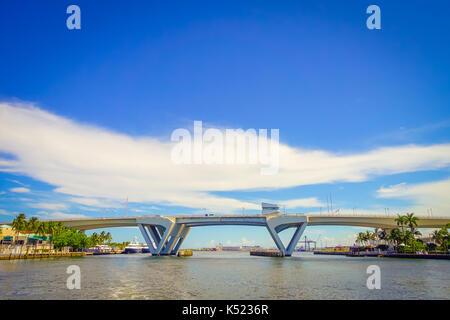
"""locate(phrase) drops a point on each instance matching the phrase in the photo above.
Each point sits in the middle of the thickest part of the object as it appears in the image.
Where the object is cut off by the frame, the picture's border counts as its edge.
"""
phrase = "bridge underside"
(165, 236)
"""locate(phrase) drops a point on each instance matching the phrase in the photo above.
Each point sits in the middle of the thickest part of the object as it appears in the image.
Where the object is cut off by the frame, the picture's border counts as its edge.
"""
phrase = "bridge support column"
(147, 238)
(181, 239)
(173, 238)
(276, 239)
(159, 233)
(297, 234)
(276, 224)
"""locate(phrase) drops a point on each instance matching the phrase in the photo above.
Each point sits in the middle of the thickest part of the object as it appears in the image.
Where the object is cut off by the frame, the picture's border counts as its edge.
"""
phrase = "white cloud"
(246, 242)
(93, 202)
(17, 182)
(302, 203)
(48, 206)
(435, 195)
(56, 215)
(93, 163)
(3, 212)
(19, 190)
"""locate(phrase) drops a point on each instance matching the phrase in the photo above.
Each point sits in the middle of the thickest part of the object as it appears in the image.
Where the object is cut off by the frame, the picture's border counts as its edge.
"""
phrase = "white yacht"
(136, 247)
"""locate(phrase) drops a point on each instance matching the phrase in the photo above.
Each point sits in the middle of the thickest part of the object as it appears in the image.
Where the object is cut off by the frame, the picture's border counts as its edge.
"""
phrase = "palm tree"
(436, 236)
(58, 228)
(411, 222)
(41, 229)
(442, 237)
(401, 221)
(396, 236)
(50, 227)
(94, 239)
(382, 235)
(370, 236)
(102, 237)
(376, 233)
(361, 237)
(32, 224)
(19, 224)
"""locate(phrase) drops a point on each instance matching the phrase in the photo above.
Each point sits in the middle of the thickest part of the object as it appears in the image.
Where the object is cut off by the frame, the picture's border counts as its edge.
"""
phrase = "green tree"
(401, 222)
(442, 237)
(382, 235)
(102, 237)
(19, 224)
(61, 240)
(411, 221)
(361, 237)
(94, 240)
(41, 229)
(32, 224)
(396, 237)
(50, 227)
(70, 238)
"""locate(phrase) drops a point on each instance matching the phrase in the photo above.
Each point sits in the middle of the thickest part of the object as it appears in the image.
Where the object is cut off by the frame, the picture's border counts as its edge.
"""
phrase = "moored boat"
(133, 247)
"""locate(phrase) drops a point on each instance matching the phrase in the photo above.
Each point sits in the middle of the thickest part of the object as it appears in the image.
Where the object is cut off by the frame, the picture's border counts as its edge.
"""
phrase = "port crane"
(307, 244)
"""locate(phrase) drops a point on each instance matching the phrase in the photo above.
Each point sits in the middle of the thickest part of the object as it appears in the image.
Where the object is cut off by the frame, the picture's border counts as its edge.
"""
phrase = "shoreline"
(41, 255)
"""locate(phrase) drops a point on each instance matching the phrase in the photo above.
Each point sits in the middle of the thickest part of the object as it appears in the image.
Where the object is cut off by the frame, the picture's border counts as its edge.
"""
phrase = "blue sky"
(79, 107)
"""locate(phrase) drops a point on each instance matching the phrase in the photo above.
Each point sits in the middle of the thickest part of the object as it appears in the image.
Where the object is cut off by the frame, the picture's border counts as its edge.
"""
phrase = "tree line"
(404, 238)
(60, 235)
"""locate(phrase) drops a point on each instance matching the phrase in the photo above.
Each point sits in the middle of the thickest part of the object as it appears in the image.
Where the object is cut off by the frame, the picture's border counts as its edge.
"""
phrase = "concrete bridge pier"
(180, 239)
(276, 224)
(160, 233)
(164, 240)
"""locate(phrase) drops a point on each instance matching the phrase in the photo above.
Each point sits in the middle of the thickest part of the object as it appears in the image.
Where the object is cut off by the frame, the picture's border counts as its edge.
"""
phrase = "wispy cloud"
(49, 206)
(88, 162)
(19, 190)
(44, 215)
(405, 134)
(302, 203)
(3, 212)
(17, 182)
(105, 203)
(435, 195)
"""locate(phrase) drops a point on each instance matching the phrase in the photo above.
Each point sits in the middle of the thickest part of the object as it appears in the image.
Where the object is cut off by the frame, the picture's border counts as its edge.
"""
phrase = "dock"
(417, 256)
(41, 255)
(267, 253)
(400, 255)
(184, 253)
(331, 253)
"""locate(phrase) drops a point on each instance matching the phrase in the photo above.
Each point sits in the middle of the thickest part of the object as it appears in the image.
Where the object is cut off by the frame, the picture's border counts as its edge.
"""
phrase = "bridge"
(164, 235)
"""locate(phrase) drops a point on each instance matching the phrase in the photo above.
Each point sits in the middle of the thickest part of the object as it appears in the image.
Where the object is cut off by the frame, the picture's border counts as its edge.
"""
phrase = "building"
(231, 248)
(269, 208)
(248, 248)
(9, 236)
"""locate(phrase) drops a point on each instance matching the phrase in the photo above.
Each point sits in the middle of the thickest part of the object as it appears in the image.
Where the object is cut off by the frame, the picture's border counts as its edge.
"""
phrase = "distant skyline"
(86, 115)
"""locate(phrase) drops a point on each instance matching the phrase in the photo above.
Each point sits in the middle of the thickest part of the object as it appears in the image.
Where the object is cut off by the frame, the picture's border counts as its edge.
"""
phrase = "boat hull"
(132, 250)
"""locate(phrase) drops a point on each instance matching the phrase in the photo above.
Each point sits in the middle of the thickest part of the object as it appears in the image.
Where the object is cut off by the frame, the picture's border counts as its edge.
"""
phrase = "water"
(224, 275)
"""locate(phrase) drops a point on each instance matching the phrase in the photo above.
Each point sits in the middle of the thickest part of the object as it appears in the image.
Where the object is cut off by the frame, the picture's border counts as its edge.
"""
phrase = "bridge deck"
(254, 219)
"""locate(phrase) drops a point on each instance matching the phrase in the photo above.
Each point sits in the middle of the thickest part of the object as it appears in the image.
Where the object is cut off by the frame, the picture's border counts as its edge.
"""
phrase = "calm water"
(233, 275)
